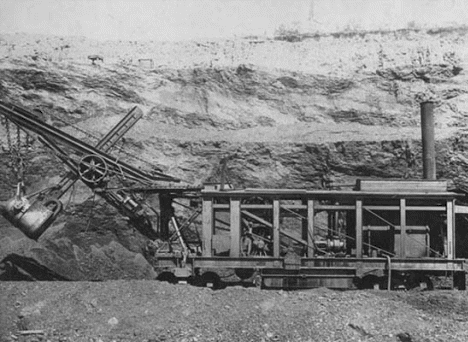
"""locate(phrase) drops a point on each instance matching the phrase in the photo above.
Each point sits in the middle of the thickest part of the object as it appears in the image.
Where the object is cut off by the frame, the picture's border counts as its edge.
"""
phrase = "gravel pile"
(155, 311)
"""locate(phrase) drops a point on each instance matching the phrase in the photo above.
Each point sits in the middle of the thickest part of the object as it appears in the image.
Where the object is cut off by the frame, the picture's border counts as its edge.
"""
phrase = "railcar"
(381, 234)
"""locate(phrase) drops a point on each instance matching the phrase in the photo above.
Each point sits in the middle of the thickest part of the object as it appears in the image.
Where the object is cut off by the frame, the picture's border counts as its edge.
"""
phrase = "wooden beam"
(276, 228)
(294, 206)
(425, 208)
(257, 206)
(310, 228)
(207, 228)
(334, 195)
(408, 208)
(257, 218)
(450, 230)
(334, 207)
(461, 209)
(236, 227)
(358, 228)
(402, 228)
(294, 238)
(268, 224)
(402, 185)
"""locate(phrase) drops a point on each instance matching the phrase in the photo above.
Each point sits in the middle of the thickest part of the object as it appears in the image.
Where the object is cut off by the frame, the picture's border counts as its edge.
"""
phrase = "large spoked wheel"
(92, 169)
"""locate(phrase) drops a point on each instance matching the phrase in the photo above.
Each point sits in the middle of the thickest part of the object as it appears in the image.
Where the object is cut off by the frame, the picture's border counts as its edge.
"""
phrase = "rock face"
(313, 114)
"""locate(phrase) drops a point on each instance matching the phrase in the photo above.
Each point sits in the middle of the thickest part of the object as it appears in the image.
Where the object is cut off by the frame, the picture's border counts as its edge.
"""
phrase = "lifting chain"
(16, 160)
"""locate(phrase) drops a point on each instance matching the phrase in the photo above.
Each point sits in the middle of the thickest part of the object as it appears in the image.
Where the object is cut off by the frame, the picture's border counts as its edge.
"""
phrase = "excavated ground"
(154, 311)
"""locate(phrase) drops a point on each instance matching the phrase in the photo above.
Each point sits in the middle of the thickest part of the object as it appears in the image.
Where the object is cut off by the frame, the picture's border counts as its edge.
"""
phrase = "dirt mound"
(98, 249)
(154, 311)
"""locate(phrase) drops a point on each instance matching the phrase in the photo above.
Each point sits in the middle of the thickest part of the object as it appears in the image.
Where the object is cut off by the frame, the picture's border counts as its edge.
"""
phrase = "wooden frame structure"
(414, 213)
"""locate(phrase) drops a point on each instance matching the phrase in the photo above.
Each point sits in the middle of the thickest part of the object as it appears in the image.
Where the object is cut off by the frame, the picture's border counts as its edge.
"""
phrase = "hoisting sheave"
(93, 170)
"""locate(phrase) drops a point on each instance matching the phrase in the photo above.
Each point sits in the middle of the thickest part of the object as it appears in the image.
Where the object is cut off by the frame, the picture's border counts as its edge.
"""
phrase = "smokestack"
(428, 140)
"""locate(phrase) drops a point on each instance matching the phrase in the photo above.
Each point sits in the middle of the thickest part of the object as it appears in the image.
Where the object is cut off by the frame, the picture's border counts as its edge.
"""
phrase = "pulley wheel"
(92, 169)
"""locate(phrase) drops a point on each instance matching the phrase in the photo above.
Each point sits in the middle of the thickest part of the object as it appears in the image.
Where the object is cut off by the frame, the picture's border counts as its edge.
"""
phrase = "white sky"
(187, 19)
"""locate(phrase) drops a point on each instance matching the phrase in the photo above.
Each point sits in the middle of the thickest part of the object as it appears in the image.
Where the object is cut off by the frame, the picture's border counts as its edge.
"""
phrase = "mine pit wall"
(289, 165)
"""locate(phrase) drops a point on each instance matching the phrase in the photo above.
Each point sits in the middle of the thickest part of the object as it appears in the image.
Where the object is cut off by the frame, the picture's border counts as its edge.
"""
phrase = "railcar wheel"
(167, 277)
(426, 283)
(244, 273)
(459, 280)
(419, 280)
(370, 282)
(211, 280)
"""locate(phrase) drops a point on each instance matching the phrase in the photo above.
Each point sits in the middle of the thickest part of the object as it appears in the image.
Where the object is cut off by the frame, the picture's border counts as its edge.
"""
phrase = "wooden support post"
(304, 223)
(358, 228)
(236, 228)
(207, 228)
(450, 230)
(310, 227)
(166, 214)
(276, 228)
(402, 228)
